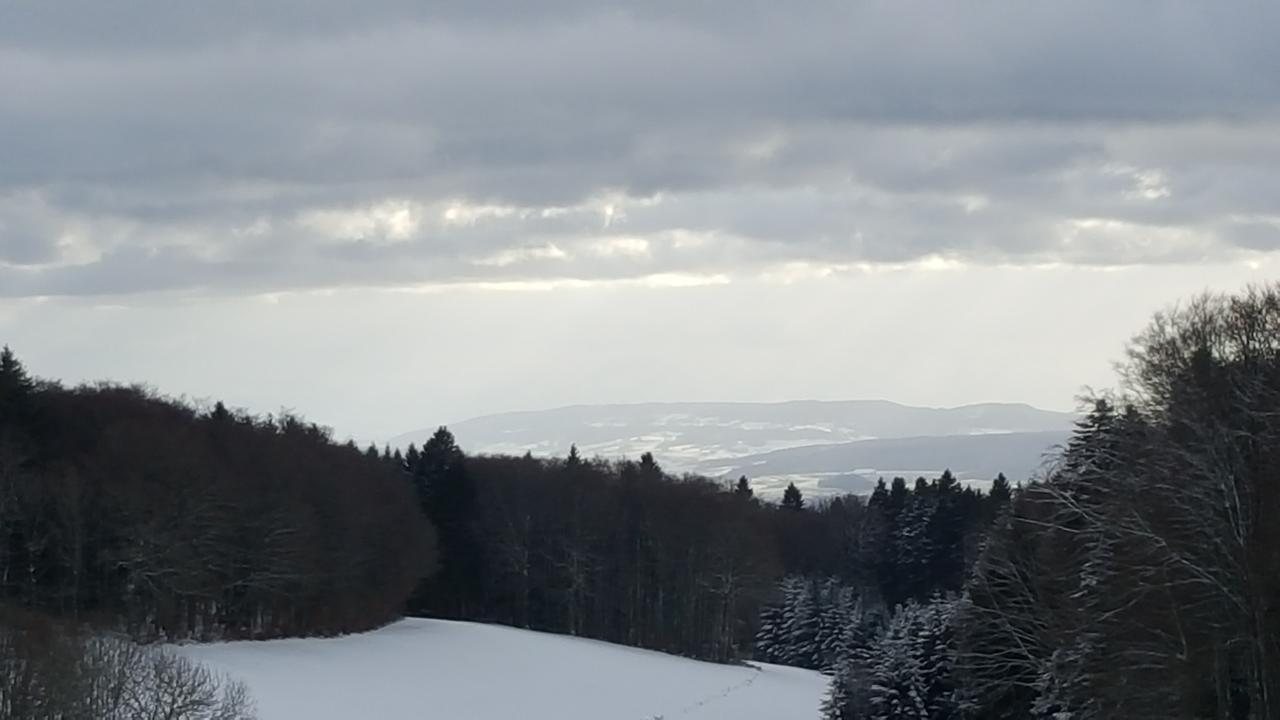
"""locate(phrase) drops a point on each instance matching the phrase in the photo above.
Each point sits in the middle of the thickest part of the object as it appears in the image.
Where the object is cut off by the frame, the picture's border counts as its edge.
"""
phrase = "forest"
(1137, 577)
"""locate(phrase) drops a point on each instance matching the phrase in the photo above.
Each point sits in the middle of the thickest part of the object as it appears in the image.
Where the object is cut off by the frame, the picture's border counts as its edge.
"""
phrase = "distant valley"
(825, 447)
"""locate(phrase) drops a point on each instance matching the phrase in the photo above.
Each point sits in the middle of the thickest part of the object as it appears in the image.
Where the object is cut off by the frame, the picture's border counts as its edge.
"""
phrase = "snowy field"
(466, 671)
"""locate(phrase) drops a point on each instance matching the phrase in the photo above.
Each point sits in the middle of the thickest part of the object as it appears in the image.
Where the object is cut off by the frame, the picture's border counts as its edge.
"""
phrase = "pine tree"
(411, 458)
(999, 496)
(913, 547)
(838, 696)
(1091, 447)
(899, 494)
(448, 497)
(946, 482)
(850, 694)
(769, 633)
(743, 488)
(649, 468)
(800, 627)
(894, 686)
(13, 376)
(16, 391)
(792, 499)
(220, 414)
(955, 509)
(790, 622)
(935, 659)
(833, 619)
(911, 674)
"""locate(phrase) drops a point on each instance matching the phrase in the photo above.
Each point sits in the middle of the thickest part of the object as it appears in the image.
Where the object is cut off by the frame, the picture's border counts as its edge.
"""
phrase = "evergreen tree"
(769, 633)
(800, 626)
(833, 619)
(899, 493)
(850, 693)
(16, 392)
(448, 498)
(743, 488)
(879, 496)
(999, 496)
(911, 671)
(913, 548)
(411, 457)
(837, 704)
(1091, 448)
(649, 468)
(220, 414)
(955, 510)
(14, 380)
(792, 499)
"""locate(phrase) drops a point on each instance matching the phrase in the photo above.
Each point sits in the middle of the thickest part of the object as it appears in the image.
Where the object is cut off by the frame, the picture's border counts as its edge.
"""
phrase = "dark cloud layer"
(243, 146)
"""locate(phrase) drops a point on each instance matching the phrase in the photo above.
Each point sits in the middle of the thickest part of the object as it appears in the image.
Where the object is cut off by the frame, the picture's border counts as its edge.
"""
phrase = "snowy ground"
(467, 671)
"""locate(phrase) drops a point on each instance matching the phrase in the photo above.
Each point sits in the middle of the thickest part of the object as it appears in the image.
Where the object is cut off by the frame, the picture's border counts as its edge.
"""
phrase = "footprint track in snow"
(726, 692)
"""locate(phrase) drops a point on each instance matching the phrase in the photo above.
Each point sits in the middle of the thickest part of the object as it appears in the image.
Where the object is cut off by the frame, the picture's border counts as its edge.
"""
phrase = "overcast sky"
(390, 214)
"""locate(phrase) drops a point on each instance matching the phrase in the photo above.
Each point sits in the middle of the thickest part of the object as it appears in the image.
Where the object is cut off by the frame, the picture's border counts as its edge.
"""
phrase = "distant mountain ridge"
(855, 467)
(812, 442)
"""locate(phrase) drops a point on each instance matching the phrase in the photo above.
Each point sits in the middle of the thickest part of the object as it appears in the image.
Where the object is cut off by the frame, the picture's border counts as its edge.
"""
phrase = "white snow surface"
(468, 671)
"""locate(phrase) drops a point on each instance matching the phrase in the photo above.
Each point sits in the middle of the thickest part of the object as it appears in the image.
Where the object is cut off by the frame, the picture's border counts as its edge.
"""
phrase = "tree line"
(125, 510)
(620, 550)
(167, 520)
(613, 550)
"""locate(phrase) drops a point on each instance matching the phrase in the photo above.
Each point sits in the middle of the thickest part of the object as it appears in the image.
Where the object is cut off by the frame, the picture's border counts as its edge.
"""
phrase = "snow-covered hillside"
(467, 671)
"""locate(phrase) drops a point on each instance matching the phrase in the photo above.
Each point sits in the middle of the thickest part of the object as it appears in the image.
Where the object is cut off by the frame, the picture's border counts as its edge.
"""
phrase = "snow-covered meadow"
(468, 671)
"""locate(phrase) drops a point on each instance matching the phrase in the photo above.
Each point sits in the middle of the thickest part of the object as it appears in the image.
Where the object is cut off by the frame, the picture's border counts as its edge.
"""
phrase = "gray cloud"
(237, 147)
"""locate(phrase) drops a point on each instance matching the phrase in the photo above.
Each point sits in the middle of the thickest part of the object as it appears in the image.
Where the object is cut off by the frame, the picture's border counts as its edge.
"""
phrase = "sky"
(390, 214)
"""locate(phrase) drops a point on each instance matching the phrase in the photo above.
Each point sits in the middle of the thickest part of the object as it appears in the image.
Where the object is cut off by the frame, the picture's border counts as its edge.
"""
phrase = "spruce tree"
(769, 633)
(448, 497)
(913, 548)
(411, 458)
(833, 619)
(743, 488)
(220, 414)
(792, 499)
(16, 391)
(954, 511)
(911, 671)
(1000, 494)
(879, 496)
(899, 494)
(800, 627)
(649, 468)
